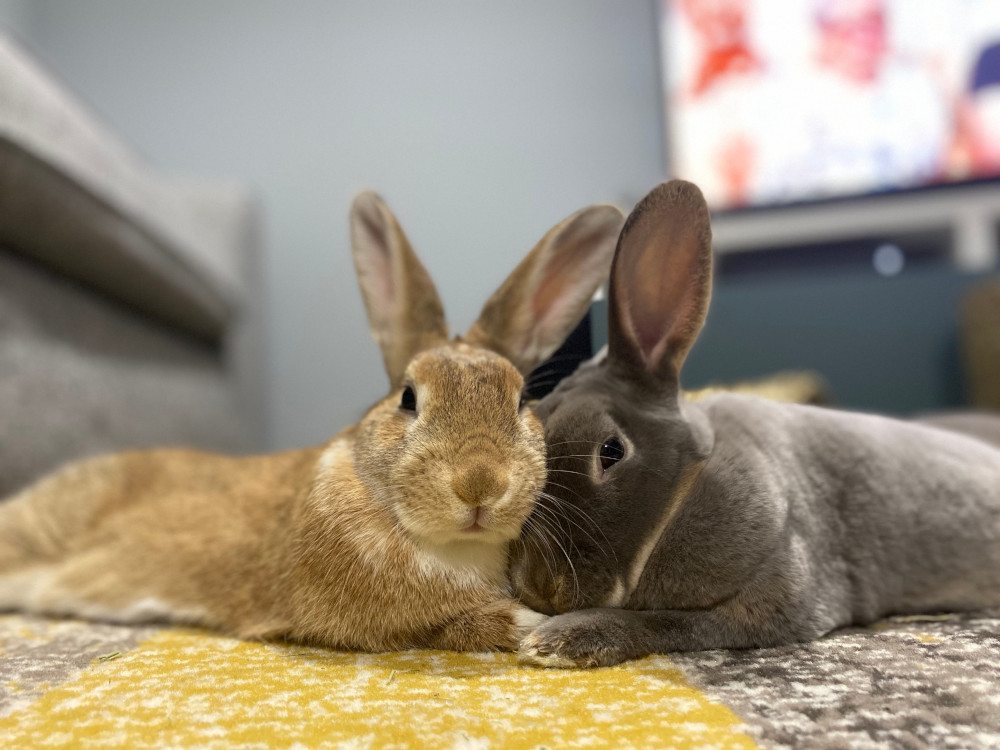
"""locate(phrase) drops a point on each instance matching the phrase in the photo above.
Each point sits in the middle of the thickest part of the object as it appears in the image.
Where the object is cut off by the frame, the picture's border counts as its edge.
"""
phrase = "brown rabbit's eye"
(409, 400)
(611, 453)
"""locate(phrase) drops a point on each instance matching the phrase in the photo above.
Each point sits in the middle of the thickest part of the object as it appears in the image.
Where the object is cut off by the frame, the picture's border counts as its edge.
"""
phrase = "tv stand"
(969, 215)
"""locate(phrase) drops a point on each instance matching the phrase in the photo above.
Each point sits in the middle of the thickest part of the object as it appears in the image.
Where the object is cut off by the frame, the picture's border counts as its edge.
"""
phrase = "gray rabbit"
(984, 425)
(734, 522)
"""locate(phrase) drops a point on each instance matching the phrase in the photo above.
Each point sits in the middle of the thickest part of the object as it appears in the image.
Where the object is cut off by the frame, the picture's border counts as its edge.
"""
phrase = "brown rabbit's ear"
(661, 281)
(540, 303)
(404, 311)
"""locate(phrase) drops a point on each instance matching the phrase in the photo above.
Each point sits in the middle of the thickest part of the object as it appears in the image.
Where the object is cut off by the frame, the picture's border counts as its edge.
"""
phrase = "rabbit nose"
(478, 485)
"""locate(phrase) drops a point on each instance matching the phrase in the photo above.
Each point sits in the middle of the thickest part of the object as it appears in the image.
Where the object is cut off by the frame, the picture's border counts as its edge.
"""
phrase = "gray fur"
(982, 425)
(785, 521)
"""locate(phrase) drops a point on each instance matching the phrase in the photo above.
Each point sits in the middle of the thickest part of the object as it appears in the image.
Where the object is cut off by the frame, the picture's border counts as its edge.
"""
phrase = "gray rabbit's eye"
(611, 453)
(409, 400)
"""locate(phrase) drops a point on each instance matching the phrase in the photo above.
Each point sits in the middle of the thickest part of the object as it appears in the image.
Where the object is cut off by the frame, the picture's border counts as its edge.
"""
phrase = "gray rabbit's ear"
(549, 292)
(661, 281)
(405, 314)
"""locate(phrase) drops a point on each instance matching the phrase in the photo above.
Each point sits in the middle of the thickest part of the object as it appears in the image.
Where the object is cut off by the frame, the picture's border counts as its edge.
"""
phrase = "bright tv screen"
(779, 101)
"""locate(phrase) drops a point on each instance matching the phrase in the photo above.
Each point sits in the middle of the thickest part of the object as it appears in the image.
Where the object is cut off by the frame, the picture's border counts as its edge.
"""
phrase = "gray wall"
(481, 123)
(16, 15)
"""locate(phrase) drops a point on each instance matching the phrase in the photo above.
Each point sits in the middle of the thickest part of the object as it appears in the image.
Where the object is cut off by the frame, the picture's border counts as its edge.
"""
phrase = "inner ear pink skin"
(553, 284)
(661, 292)
(379, 266)
(572, 258)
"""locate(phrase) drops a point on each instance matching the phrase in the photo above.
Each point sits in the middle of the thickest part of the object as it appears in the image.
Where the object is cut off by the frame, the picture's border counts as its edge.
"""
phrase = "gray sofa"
(129, 301)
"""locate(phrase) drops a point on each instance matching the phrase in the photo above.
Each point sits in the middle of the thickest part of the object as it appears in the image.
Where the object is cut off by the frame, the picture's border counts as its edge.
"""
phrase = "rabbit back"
(172, 535)
(984, 426)
(287, 545)
(852, 516)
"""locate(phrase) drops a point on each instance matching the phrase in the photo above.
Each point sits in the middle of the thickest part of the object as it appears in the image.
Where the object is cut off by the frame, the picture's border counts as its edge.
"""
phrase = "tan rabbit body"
(393, 534)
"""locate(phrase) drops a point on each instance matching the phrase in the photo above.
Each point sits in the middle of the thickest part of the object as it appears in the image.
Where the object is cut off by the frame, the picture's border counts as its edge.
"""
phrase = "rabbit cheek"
(533, 589)
(503, 521)
(527, 474)
(377, 453)
(542, 576)
(554, 570)
(414, 484)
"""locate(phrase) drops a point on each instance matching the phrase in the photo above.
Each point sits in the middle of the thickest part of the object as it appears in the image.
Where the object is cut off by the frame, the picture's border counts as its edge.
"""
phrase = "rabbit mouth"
(475, 521)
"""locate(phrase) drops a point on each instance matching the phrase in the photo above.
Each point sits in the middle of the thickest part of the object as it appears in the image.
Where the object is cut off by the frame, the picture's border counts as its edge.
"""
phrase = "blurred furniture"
(790, 386)
(128, 300)
(981, 344)
(966, 215)
(889, 345)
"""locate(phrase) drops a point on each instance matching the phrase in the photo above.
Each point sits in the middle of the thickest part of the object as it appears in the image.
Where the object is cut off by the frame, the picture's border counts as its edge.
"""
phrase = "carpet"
(907, 683)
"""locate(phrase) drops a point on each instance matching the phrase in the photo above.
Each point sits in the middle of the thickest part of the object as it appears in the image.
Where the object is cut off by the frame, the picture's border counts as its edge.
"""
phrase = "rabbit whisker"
(536, 538)
(562, 486)
(568, 471)
(563, 507)
(569, 561)
(569, 442)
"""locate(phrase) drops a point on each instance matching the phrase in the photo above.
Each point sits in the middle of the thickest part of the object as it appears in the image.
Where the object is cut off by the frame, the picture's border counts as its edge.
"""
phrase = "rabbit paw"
(526, 620)
(587, 638)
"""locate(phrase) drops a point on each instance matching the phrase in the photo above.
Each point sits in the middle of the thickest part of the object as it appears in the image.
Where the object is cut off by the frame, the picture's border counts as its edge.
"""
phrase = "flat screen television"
(775, 102)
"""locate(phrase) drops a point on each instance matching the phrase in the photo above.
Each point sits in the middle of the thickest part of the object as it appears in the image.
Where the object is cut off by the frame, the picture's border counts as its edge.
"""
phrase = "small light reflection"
(888, 260)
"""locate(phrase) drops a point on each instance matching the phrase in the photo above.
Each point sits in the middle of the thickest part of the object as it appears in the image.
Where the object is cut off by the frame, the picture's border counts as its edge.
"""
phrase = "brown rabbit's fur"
(393, 534)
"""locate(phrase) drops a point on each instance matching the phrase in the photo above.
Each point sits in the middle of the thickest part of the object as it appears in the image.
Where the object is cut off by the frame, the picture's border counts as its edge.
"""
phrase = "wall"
(16, 16)
(482, 124)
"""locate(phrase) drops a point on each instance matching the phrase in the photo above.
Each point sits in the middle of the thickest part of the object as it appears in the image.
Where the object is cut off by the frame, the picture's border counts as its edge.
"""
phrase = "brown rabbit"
(394, 534)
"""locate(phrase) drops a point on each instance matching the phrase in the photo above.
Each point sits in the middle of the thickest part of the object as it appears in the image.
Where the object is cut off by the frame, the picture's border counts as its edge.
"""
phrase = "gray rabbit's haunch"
(734, 522)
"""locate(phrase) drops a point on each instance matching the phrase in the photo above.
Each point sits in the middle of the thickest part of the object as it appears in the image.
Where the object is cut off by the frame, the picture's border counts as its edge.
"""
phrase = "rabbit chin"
(448, 532)
(477, 553)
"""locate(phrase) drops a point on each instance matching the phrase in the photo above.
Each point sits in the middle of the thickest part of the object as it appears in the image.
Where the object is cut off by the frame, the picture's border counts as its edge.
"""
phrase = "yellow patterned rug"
(929, 682)
(118, 687)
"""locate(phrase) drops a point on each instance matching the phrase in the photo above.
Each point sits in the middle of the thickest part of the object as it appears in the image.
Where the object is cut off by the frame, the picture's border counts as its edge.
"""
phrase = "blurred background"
(181, 172)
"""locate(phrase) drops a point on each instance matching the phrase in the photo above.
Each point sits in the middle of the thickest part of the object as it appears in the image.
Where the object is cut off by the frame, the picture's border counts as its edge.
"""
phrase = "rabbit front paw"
(587, 638)
(526, 621)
